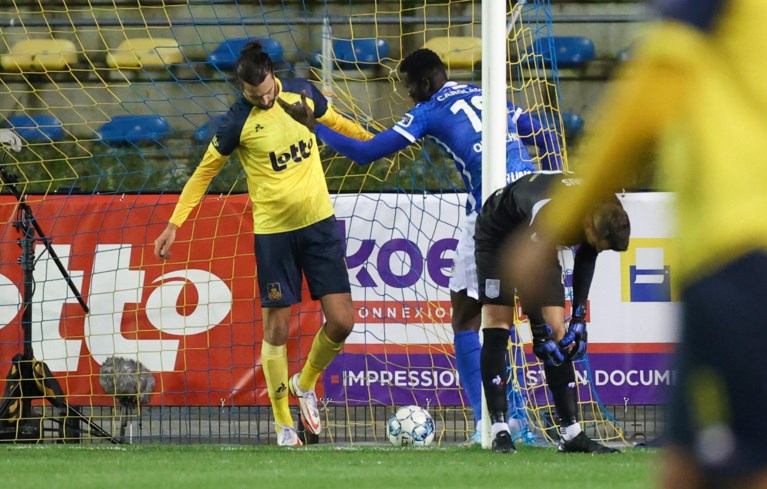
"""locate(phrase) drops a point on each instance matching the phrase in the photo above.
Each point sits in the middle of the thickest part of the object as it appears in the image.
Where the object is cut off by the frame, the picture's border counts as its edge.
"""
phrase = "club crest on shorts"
(492, 288)
(273, 291)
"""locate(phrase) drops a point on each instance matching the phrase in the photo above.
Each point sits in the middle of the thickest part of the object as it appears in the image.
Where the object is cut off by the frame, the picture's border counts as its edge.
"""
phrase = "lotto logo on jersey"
(297, 153)
(646, 271)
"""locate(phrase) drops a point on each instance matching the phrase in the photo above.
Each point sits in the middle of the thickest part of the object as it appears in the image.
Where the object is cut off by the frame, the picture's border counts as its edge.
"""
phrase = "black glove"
(544, 346)
(576, 338)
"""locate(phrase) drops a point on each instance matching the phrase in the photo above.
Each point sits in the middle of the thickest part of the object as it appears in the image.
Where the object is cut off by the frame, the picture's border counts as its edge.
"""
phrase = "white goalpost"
(494, 127)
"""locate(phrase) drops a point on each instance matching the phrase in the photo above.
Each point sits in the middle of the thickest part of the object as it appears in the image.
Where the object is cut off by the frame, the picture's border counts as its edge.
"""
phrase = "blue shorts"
(316, 250)
(720, 400)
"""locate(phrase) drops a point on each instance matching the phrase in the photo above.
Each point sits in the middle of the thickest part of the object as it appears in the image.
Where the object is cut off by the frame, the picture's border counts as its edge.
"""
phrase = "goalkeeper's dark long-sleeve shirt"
(519, 204)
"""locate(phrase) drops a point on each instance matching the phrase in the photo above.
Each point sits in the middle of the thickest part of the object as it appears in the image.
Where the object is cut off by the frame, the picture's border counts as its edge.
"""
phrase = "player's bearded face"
(262, 95)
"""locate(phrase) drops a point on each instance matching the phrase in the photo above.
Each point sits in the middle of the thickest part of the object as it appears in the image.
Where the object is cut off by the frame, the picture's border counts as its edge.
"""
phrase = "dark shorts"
(719, 406)
(495, 289)
(315, 250)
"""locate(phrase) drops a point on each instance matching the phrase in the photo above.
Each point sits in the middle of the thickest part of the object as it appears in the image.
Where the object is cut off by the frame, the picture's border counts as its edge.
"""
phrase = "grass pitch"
(224, 467)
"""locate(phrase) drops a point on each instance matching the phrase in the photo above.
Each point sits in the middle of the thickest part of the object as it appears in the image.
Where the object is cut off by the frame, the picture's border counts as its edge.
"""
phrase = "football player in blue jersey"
(450, 113)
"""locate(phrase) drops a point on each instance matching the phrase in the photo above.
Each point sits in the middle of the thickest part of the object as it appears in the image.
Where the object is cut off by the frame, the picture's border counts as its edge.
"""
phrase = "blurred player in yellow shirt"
(696, 88)
(293, 222)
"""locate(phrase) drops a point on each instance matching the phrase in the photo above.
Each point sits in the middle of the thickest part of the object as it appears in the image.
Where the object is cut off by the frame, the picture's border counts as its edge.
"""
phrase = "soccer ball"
(410, 425)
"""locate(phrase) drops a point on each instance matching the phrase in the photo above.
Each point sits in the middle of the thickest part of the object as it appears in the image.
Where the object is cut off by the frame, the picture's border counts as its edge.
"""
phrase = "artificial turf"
(223, 467)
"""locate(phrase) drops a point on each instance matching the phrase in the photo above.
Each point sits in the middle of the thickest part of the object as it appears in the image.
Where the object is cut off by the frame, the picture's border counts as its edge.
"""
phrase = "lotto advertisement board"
(195, 322)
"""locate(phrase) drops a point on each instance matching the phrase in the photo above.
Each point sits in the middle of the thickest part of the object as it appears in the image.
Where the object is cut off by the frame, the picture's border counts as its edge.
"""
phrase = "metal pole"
(494, 123)
(326, 58)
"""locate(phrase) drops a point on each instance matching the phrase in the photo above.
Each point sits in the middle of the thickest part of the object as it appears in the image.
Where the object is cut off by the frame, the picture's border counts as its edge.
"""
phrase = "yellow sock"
(323, 351)
(274, 361)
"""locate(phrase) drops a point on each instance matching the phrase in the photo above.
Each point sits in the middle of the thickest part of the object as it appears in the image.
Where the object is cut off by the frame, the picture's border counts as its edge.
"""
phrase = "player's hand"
(163, 242)
(545, 347)
(301, 111)
(11, 139)
(576, 339)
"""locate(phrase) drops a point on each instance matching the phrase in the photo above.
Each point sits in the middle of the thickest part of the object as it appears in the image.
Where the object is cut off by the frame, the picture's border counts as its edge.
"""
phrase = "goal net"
(116, 103)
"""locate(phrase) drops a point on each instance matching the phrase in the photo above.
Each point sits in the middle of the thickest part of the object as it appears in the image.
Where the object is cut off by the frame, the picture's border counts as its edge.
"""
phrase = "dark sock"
(493, 365)
(561, 380)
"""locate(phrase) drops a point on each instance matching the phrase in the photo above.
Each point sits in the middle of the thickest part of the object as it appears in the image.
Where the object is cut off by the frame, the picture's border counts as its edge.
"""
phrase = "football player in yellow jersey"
(293, 222)
(696, 87)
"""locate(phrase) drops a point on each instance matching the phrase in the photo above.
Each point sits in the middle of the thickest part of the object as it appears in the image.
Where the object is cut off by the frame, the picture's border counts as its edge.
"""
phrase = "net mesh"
(117, 102)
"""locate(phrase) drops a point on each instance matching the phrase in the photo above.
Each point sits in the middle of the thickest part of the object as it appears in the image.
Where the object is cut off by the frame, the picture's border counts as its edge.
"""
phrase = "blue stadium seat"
(127, 129)
(362, 53)
(225, 55)
(570, 51)
(205, 132)
(38, 128)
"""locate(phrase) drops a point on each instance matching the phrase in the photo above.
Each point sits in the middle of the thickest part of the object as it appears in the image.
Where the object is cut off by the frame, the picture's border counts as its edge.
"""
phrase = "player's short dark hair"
(421, 63)
(253, 65)
(611, 223)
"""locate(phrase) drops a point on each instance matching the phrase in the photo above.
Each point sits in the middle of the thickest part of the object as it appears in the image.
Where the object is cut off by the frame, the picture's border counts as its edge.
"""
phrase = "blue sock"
(467, 353)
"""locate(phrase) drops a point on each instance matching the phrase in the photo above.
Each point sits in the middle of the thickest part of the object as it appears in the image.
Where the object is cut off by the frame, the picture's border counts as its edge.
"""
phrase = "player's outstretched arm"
(344, 125)
(191, 195)
(323, 113)
(362, 152)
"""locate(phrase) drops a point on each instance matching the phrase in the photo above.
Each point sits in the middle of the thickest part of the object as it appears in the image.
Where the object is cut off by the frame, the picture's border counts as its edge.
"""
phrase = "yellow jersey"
(280, 157)
(696, 88)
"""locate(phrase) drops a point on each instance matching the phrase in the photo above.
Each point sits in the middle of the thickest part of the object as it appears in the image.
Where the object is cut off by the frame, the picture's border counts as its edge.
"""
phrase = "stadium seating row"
(138, 53)
(35, 55)
(52, 55)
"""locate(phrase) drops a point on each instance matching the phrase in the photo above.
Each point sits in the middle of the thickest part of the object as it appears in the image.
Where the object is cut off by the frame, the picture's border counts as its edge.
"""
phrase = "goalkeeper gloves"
(544, 346)
(576, 335)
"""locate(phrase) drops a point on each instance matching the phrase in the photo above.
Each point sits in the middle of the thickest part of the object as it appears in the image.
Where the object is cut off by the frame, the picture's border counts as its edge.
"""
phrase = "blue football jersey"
(453, 118)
